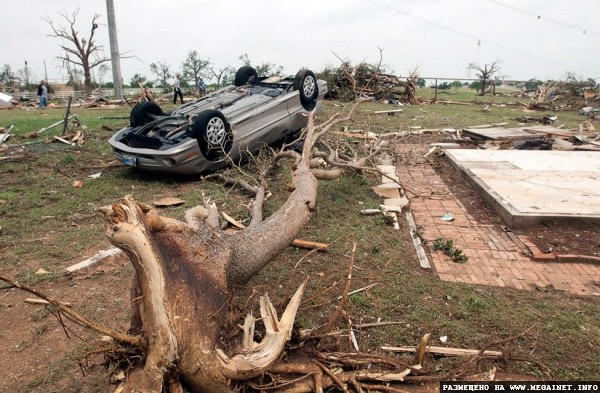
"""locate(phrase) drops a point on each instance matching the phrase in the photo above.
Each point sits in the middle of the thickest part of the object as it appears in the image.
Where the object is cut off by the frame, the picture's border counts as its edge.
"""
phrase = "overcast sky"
(439, 36)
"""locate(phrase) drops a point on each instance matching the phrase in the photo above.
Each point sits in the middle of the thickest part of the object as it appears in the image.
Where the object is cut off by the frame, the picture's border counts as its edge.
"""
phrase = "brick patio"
(495, 256)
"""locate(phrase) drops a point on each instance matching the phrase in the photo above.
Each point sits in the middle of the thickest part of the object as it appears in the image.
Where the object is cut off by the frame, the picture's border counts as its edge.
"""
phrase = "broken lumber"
(44, 129)
(390, 112)
(100, 255)
(447, 351)
(310, 245)
(6, 134)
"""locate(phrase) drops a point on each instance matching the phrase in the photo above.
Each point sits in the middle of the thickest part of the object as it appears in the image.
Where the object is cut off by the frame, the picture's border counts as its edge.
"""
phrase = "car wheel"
(244, 75)
(143, 112)
(306, 84)
(213, 134)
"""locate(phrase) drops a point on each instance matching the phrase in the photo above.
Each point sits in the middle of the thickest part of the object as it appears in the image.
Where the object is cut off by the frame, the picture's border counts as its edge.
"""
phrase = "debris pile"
(349, 82)
(557, 96)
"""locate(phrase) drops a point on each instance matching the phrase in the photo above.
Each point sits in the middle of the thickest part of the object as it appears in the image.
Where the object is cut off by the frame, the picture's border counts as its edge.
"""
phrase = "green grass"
(46, 222)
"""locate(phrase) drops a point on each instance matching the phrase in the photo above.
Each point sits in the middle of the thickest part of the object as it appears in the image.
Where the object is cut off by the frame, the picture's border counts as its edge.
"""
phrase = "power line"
(478, 40)
(540, 17)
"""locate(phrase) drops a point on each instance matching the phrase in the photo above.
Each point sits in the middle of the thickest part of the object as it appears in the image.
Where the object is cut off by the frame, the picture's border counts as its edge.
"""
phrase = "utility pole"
(114, 50)
(26, 75)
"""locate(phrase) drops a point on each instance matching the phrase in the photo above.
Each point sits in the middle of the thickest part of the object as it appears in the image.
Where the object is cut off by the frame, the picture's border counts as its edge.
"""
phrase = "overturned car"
(208, 133)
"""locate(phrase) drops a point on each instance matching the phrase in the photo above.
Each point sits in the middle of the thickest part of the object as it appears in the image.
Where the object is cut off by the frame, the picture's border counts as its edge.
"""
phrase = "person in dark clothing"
(43, 94)
(177, 90)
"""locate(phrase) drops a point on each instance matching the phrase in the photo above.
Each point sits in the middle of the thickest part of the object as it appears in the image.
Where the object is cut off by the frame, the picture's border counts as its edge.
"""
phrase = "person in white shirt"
(177, 89)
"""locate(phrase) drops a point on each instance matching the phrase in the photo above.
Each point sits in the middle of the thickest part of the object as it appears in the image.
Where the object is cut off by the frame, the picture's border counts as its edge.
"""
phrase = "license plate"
(129, 160)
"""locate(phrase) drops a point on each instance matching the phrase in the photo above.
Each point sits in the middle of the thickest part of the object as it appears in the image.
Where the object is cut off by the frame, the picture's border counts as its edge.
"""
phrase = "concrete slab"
(498, 133)
(529, 186)
(5, 100)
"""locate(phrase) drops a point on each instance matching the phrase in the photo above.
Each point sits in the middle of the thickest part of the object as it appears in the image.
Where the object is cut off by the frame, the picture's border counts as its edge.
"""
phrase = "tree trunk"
(185, 272)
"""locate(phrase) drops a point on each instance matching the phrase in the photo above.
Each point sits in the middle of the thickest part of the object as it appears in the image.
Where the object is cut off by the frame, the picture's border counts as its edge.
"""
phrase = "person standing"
(43, 94)
(201, 87)
(177, 89)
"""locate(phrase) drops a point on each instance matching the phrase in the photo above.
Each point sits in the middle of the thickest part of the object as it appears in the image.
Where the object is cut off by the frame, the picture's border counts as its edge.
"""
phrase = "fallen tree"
(185, 273)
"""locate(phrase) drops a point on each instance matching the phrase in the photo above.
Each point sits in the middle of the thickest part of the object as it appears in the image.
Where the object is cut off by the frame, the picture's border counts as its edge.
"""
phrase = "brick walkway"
(495, 256)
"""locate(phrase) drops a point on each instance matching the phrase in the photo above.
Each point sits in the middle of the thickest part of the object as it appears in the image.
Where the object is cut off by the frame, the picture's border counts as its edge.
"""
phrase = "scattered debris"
(417, 241)
(41, 271)
(389, 113)
(447, 351)
(168, 201)
(99, 256)
(5, 134)
(77, 183)
(435, 150)
(589, 111)
(310, 245)
(548, 119)
(370, 212)
(447, 217)
(296, 243)
(31, 300)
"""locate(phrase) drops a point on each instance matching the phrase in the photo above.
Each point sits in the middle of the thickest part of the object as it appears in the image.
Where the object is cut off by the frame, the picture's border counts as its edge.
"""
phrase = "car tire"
(143, 112)
(244, 75)
(306, 84)
(213, 134)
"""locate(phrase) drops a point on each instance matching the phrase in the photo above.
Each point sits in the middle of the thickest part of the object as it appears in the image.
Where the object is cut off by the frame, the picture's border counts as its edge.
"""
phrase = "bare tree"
(79, 51)
(224, 75)
(163, 73)
(7, 76)
(193, 68)
(485, 74)
(265, 69)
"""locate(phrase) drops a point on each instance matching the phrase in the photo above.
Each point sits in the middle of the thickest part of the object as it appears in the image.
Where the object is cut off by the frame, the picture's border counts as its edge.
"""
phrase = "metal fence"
(78, 94)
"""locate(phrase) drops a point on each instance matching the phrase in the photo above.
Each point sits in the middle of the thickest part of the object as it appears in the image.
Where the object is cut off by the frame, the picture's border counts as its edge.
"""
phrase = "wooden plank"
(444, 351)
(233, 221)
(390, 112)
(310, 245)
(421, 254)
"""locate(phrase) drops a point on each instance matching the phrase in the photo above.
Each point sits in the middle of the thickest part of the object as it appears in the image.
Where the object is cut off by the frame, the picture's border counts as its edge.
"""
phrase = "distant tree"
(7, 76)
(571, 77)
(80, 52)
(137, 79)
(485, 74)
(444, 86)
(102, 71)
(224, 75)
(456, 85)
(533, 84)
(76, 78)
(194, 67)
(421, 82)
(163, 73)
(476, 85)
(265, 69)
